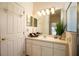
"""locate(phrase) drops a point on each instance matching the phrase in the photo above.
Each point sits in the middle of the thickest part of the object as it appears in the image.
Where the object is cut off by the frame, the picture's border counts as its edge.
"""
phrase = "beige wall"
(32, 8)
(28, 7)
(28, 11)
(43, 21)
(43, 5)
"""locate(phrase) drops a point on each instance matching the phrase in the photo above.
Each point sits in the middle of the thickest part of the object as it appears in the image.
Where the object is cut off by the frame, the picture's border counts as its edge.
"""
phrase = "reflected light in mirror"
(39, 13)
(47, 11)
(43, 12)
(52, 10)
(28, 18)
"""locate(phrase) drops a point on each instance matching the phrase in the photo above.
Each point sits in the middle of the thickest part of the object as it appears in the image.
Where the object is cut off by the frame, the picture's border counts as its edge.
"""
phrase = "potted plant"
(60, 29)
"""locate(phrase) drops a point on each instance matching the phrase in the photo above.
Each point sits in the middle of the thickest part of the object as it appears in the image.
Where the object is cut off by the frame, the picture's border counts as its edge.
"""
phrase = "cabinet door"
(28, 47)
(59, 52)
(59, 49)
(36, 50)
(47, 51)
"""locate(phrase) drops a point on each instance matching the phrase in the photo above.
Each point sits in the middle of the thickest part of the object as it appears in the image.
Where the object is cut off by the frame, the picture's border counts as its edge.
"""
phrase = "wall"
(28, 7)
(43, 5)
(28, 11)
(32, 8)
(43, 20)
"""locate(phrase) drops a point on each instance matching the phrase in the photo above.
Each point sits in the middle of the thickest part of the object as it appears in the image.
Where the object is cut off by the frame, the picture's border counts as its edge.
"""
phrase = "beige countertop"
(48, 38)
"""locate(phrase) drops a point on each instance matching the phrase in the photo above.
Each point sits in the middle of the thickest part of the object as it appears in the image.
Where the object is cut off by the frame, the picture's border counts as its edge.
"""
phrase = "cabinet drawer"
(47, 44)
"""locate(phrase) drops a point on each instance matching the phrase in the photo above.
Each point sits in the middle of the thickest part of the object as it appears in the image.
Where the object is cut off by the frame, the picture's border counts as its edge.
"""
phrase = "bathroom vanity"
(46, 46)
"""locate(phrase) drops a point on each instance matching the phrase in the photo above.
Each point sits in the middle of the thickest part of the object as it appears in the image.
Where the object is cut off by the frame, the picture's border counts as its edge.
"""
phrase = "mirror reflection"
(47, 23)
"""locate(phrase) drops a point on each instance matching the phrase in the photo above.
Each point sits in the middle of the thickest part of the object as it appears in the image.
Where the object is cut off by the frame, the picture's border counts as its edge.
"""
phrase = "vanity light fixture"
(39, 13)
(52, 10)
(46, 11)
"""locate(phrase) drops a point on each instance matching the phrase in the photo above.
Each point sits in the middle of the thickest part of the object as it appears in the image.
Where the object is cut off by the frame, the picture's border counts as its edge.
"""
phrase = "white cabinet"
(28, 47)
(59, 49)
(36, 50)
(47, 51)
(59, 52)
(42, 48)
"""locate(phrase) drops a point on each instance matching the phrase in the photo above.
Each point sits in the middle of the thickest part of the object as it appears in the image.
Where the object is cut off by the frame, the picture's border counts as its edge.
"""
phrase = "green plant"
(60, 28)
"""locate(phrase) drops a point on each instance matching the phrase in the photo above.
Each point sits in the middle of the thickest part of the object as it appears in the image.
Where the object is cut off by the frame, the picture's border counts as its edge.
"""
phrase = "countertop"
(48, 38)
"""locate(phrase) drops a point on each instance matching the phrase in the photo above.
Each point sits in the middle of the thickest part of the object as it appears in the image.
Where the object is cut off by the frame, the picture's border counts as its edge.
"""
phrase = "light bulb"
(39, 13)
(47, 11)
(43, 12)
(52, 10)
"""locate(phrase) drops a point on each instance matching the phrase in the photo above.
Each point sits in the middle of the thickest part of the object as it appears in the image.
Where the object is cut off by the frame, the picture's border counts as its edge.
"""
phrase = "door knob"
(3, 39)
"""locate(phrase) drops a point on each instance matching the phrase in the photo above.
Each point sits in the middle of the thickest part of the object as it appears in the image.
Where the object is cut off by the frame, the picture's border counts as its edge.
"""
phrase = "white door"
(3, 30)
(11, 33)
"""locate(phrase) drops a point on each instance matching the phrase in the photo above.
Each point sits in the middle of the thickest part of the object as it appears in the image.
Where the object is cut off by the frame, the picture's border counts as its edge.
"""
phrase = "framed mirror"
(47, 22)
(31, 21)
